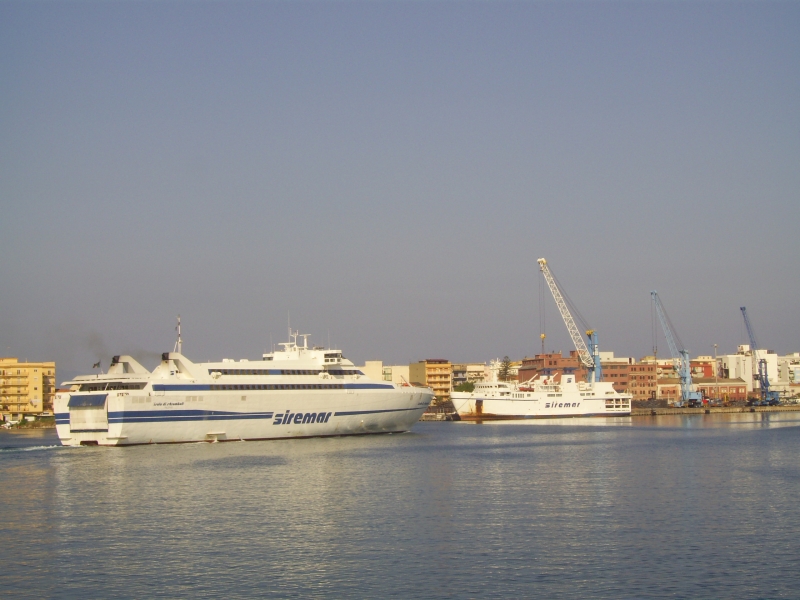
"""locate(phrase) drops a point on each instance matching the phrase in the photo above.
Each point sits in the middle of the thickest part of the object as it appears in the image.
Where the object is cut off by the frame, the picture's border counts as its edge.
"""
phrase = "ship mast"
(179, 342)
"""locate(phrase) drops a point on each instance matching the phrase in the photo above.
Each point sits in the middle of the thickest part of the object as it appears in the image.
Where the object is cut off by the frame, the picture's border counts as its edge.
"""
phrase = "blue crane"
(768, 397)
(680, 357)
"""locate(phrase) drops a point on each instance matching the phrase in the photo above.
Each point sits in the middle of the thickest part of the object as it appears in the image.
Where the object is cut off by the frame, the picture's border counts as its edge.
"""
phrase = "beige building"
(436, 373)
(375, 369)
(26, 388)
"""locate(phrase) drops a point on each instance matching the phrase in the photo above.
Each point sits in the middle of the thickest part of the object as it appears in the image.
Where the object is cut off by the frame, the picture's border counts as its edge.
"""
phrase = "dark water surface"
(665, 507)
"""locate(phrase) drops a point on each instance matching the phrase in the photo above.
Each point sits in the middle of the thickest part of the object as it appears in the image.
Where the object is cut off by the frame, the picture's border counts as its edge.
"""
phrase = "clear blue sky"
(388, 173)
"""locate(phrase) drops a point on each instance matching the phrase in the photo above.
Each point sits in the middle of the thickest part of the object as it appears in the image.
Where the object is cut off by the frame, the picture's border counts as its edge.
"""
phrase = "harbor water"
(699, 506)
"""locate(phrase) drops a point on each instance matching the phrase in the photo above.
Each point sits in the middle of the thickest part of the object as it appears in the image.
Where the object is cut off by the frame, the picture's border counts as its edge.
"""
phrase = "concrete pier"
(652, 412)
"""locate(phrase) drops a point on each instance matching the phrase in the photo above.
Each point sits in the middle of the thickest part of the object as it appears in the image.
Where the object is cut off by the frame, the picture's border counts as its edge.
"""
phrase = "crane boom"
(767, 397)
(666, 326)
(583, 352)
(750, 333)
(680, 356)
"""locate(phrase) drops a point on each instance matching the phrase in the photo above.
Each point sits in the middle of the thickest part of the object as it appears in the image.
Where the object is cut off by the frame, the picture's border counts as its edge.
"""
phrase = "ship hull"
(475, 408)
(123, 418)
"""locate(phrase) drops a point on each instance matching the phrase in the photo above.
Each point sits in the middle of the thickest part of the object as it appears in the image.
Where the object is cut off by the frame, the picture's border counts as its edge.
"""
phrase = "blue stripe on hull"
(183, 387)
(372, 412)
(148, 416)
(366, 386)
(155, 416)
(196, 387)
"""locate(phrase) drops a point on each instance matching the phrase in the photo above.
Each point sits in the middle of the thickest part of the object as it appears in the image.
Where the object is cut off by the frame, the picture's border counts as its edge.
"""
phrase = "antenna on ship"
(179, 342)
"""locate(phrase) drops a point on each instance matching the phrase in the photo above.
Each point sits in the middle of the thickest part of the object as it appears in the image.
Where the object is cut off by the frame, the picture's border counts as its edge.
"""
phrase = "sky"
(384, 176)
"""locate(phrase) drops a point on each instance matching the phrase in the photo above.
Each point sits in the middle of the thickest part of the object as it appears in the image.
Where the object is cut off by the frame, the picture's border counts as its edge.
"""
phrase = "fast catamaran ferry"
(296, 392)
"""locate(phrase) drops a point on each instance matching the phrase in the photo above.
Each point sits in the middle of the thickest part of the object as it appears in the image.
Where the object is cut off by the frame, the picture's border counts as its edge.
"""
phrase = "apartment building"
(468, 373)
(26, 388)
(436, 373)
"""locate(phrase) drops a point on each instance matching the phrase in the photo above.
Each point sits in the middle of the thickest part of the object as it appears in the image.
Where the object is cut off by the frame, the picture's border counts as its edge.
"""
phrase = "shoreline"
(49, 423)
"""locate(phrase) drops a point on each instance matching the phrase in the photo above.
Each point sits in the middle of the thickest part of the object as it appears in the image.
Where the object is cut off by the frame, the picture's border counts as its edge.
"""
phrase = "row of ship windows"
(288, 386)
(281, 372)
(112, 385)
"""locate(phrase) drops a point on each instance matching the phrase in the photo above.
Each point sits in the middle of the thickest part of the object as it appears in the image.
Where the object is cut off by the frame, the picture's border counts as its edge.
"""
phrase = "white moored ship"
(293, 393)
(548, 396)
(540, 398)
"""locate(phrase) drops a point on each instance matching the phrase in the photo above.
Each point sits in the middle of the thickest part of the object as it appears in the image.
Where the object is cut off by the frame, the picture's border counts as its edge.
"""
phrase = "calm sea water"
(667, 507)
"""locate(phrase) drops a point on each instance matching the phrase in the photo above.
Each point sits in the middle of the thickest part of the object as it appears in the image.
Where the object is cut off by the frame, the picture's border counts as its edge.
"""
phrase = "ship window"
(94, 401)
(92, 387)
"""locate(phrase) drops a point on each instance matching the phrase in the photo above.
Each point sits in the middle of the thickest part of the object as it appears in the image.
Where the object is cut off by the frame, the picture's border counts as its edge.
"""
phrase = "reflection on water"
(654, 507)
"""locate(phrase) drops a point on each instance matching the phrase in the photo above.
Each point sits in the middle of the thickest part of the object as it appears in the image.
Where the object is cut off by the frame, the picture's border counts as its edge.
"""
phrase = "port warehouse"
(27, 388)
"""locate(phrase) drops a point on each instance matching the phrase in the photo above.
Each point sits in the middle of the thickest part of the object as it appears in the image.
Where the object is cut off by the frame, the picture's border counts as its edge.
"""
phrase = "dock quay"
(656, 412)
(653, 412)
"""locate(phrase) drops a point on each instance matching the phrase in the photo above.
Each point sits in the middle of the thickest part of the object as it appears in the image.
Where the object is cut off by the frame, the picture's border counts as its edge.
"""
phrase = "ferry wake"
(296, 392)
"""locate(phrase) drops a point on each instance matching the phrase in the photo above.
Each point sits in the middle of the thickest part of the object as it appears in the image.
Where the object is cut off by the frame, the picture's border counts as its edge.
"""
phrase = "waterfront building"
(436, 373)
(26, 388)
(742, 365)
(724, 389)
(789, 368)
(704, 366)
(617, 370)
(552, 364)
(635, 378)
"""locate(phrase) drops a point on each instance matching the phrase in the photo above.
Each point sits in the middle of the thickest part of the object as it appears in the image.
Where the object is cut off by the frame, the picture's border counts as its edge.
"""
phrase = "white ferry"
(543, 398)
(297, 392)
